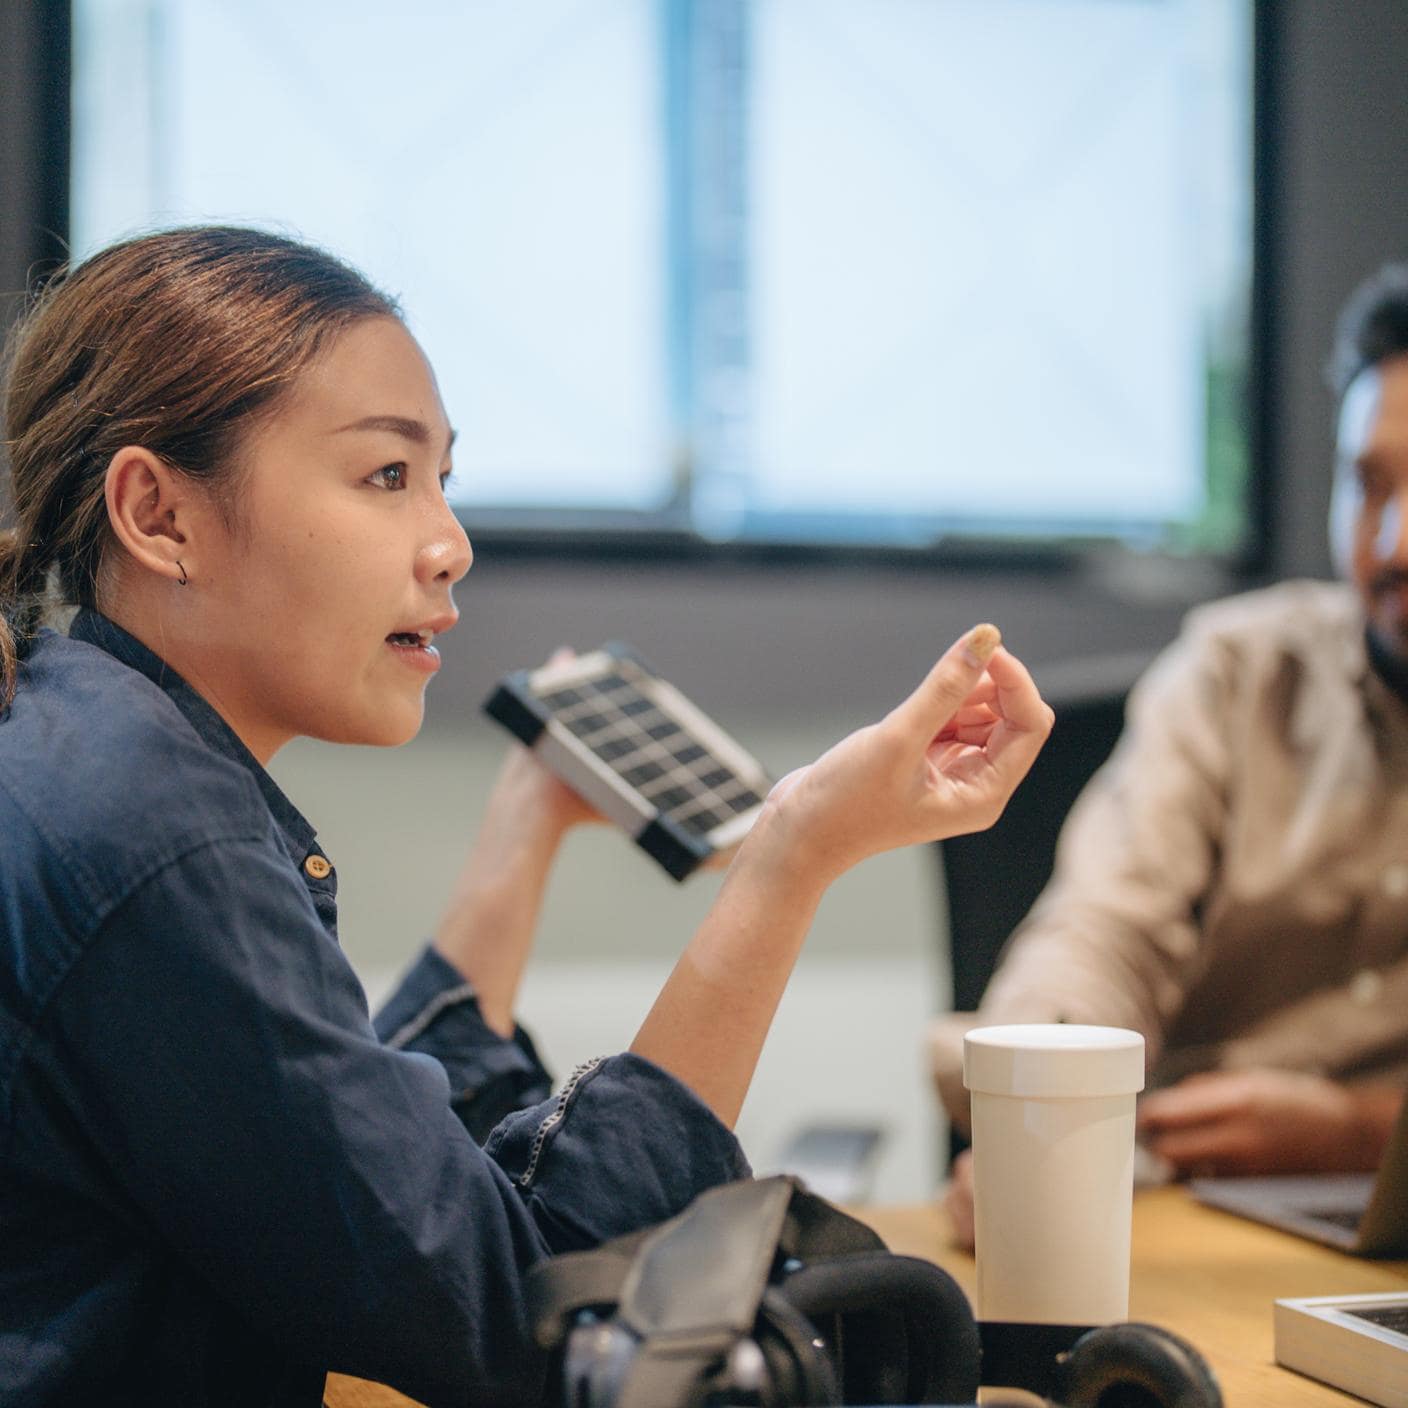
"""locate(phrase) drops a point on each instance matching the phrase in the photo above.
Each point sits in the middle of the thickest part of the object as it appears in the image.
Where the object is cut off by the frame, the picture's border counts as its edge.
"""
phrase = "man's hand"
(958, 1200)
(1266, 1121)
(1240, 1122)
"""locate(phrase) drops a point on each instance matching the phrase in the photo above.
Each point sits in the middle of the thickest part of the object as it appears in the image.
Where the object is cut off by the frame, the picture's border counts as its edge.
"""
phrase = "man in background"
(1233, 883)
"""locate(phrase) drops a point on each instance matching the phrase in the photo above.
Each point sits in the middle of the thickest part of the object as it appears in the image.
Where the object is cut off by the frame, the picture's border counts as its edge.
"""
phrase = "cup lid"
(1053, 1059)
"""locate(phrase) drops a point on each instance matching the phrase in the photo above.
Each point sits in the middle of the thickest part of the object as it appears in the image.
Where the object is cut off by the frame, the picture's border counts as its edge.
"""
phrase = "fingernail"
(982, 641)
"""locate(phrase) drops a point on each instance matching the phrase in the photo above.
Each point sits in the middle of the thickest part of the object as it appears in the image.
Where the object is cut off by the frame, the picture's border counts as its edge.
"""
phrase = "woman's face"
(317, 607)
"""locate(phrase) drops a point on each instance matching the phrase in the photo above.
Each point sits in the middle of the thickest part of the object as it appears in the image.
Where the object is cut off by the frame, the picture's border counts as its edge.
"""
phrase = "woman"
(217, 1179)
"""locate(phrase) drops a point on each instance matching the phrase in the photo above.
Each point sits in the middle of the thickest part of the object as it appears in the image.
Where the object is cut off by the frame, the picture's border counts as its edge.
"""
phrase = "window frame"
(669, 535)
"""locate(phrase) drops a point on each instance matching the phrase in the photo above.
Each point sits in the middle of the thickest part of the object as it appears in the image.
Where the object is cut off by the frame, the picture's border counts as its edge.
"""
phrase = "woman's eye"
(390, 476)
(447, 481)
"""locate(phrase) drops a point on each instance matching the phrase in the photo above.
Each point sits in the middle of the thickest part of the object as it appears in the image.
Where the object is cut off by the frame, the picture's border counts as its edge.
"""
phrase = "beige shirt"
(1233, 883)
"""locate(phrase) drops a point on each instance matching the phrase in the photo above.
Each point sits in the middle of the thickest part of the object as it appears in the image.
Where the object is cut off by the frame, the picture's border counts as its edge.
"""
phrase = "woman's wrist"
(775, 863)
(783, 843)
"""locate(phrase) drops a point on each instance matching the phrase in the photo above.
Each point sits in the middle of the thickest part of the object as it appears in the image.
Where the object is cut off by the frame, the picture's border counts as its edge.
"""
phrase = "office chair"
(992, 878)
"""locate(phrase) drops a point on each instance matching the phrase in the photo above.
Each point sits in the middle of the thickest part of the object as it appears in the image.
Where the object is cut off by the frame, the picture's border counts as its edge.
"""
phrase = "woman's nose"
(446, 555)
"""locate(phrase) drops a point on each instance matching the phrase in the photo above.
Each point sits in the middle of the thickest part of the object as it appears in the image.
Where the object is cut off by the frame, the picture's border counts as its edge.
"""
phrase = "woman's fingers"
(1026, 721)
(1018, 699)
(942, 762)
(947, 687)
(970, 715)
(975, 735)
(981, 696)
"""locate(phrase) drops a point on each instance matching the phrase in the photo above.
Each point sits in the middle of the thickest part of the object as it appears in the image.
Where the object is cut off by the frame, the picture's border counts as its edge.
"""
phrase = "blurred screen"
(837, 271)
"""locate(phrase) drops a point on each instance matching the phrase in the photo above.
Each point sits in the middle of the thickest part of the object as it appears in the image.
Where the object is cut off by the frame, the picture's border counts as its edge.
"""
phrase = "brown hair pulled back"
(179, 342)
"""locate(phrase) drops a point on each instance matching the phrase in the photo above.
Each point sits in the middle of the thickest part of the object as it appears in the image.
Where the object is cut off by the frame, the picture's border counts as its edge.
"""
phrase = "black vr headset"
(763, 1294)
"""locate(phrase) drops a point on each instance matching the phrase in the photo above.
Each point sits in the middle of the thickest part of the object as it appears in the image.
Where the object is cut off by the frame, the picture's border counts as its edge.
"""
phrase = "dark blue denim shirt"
(218, 1179)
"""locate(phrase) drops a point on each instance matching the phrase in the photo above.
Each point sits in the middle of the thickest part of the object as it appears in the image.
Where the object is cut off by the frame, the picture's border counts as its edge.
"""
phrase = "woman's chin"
(390, 728)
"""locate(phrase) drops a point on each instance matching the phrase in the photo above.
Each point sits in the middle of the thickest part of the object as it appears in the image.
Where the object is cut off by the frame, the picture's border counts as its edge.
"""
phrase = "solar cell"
(639, 751)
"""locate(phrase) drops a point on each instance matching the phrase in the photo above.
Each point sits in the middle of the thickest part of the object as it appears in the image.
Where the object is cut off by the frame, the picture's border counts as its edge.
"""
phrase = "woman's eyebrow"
(415, 431)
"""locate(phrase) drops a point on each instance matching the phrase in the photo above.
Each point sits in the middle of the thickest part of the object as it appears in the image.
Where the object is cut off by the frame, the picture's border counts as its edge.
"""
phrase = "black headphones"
(763, 1296)
(897, 1330)
(867, 1327)
(874, 1328)
(1134, 1365)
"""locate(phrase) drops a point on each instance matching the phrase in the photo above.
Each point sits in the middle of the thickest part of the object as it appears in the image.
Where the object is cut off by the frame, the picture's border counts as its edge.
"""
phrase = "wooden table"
(1207, 1275)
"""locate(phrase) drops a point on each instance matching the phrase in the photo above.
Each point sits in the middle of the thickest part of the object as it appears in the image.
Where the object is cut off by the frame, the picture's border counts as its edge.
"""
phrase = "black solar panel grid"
(614, 714)
(639, 751)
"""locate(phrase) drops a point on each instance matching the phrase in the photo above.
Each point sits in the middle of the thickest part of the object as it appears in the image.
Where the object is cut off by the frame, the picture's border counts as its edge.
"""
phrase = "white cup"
(1053, 1169)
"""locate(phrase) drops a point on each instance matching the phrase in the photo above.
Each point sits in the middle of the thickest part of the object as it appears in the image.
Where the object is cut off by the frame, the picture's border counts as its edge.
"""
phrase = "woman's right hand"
(529, 798)
(488, 928)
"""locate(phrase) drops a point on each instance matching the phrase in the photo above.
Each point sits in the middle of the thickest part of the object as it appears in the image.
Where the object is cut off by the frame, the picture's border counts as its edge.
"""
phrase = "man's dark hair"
(1372, 326)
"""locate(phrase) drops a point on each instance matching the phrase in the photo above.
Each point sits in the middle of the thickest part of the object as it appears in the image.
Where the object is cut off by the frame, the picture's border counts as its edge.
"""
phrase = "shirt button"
(319, 867)
(1395, 881)
(1365, 987)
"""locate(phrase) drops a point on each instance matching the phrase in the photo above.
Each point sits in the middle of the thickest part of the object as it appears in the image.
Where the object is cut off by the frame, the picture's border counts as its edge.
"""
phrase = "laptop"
(1362, 1213)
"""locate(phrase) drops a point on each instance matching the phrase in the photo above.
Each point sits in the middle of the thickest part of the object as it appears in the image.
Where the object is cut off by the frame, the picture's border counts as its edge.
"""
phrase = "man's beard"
(1387, 632)
(1388, 618)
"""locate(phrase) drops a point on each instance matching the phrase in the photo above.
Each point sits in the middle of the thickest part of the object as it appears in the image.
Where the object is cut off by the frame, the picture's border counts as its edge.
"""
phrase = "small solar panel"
(1355, 1342)
(638, 751)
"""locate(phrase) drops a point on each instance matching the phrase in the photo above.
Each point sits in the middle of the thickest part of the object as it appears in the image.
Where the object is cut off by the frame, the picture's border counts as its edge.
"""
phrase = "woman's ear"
(153, 512)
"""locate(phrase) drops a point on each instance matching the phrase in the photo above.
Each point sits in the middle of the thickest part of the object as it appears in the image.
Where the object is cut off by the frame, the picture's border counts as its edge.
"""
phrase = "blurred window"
(880, 272)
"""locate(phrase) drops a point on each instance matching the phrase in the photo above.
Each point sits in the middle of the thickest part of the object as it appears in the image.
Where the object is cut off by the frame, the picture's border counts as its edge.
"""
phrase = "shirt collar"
(93, 628)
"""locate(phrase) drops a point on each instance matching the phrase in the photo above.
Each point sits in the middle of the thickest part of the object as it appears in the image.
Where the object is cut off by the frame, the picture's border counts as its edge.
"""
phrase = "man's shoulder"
(1296, 615)
(103, 776)
(1297, 635)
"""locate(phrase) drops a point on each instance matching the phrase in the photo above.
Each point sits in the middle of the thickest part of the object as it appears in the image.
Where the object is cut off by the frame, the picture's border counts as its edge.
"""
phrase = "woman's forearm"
(708, 1025)
(489, 925)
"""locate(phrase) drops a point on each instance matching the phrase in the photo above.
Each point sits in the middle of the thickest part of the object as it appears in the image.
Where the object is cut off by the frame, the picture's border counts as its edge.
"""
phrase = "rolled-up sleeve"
(214, 1047)
(621, 1131)
(434, 1011)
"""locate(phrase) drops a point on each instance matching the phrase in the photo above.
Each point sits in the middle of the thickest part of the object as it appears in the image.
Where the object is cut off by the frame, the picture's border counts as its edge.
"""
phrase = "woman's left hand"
(942, 763)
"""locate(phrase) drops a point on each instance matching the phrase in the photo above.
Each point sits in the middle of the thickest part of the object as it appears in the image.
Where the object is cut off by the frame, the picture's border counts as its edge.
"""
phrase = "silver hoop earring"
(183, 579)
